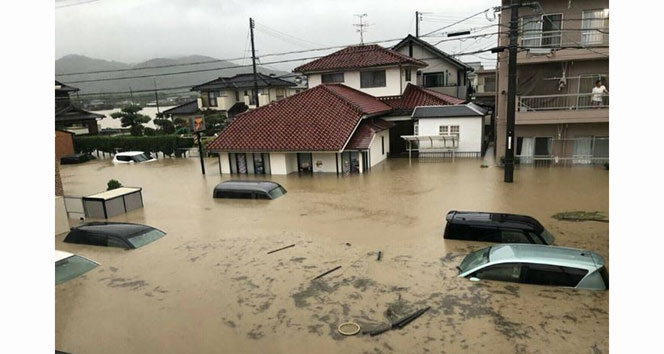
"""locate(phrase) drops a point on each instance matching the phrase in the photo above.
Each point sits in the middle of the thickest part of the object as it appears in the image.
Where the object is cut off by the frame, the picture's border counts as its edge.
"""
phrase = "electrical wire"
(457, 22)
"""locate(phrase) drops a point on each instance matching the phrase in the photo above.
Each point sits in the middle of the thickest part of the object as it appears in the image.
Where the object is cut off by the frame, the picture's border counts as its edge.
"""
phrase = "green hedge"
(166, 144)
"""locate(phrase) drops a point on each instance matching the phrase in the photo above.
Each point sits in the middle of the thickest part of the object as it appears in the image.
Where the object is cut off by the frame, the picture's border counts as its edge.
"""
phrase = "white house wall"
(470, 131)
(324, 162)
(375, 150)
(436, 64)
(393, 82)
(225, 163)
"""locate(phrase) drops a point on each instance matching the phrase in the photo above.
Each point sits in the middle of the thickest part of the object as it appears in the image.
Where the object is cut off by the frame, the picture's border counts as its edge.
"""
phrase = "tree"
(164, 126)
(214, 123)
(130, 117)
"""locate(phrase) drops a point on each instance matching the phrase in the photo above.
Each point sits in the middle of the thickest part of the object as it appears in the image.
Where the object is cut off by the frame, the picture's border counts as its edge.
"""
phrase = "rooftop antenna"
(361, 27)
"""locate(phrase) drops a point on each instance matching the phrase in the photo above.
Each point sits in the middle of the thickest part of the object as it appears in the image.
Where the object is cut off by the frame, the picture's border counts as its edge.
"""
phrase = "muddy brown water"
(209, 285)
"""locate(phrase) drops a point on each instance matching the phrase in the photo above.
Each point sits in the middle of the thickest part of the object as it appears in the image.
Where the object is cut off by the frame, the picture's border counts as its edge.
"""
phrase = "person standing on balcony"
(598, 92)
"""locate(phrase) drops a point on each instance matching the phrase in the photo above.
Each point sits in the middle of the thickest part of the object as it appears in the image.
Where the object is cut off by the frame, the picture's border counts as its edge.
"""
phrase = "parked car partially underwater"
(69, 266)
(537, 264)
(76, 158)
(495, 227)
(133, 157)
(248, 190)
(113, 234)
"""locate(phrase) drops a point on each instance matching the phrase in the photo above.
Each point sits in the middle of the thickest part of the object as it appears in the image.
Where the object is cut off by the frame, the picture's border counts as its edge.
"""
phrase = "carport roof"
(449, 111)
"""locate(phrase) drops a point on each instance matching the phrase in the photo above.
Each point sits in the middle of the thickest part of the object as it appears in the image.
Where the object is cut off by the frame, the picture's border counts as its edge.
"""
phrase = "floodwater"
(209, 285)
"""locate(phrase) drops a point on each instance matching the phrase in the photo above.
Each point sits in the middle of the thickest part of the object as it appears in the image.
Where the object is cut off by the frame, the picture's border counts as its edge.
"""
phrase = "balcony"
(564, 108)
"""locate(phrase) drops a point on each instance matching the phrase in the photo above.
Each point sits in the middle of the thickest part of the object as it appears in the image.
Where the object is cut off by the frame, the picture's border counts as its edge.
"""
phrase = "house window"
(212, 99)
(416, 128)
(454, 130)
(541, 31)
(281, 93)
(595, 25)
(443, 130)
(434, 79)
(332, 78)
(407, 74)
(372, 79)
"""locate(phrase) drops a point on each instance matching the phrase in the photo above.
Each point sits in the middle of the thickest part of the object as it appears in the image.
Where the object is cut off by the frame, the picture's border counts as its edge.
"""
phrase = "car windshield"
(277, 192)
(146, 237)
(474, 260)
(548, 238)
(141, 158)
(71, 267)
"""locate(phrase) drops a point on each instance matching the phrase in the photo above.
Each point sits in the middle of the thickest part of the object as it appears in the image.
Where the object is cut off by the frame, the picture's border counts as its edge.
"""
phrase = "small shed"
(451, 128)
(118, 201)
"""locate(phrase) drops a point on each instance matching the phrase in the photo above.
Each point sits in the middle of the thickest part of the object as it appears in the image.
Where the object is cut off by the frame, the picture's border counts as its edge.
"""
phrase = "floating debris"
(581, 216)
(349, 328)
(326, 273)
(281, 249)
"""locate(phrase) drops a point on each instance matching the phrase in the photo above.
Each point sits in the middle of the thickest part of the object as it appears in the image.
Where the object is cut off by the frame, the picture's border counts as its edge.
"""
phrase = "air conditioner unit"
(539, 51)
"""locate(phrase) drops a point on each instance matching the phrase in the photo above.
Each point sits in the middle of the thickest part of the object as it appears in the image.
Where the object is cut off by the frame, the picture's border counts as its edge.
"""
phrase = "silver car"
(537, 264)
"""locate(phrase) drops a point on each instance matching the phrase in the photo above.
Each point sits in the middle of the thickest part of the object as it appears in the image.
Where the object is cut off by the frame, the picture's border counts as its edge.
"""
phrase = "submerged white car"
(69, 266)
(133, 156)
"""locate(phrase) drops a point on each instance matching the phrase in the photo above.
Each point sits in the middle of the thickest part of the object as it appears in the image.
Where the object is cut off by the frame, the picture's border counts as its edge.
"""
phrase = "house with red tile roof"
(329, 128)
(371, 69)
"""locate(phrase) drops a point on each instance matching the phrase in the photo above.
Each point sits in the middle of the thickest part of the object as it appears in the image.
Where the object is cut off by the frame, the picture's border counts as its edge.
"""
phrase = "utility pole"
(417, 24)
(361, 27)
(510, 137)
(253, 61)
(156, 95)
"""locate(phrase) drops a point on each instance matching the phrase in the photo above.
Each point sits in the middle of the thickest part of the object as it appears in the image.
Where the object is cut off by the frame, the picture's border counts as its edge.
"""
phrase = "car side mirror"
(474, 279)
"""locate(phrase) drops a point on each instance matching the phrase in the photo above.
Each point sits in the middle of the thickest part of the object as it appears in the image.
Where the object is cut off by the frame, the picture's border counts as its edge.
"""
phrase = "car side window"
(459, 232)
(124, 158)
(513, 236)
(501, 272)
(112, 242)
(485, 234)
(544, 274)
(536, 238)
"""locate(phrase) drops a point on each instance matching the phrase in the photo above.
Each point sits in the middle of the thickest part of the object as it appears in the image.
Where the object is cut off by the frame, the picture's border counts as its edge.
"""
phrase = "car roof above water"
(233, 185)
(130, 153)
(521, 222)
(561, 256)
(117, 229)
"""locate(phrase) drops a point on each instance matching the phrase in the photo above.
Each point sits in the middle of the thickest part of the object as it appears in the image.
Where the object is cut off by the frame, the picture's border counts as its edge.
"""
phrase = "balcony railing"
(561, 102)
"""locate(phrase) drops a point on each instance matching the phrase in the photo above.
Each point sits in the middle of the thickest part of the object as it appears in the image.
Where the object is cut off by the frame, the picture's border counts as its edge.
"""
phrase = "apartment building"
(563, 52)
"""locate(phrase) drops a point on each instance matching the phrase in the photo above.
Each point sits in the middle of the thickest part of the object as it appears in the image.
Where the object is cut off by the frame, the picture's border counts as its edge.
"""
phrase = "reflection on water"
(210, 284)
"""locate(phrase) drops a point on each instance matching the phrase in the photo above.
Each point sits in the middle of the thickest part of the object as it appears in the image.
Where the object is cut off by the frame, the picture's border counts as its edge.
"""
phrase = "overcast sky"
(137, 30)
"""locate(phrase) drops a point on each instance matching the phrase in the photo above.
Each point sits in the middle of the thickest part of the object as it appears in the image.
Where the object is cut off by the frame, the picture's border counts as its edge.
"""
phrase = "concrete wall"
(61, 219)
(375, 150)
(328, 161)
(470, 131)
(393, 82)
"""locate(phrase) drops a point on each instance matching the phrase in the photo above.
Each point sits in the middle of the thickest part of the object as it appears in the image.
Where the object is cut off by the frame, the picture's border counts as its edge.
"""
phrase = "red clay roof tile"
(360, 56)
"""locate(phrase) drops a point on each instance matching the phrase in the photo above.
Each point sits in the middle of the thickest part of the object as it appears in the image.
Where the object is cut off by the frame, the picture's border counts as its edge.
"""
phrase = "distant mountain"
(80, 63)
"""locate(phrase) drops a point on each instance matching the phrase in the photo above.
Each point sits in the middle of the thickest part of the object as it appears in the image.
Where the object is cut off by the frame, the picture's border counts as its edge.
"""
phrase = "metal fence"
(573, 101)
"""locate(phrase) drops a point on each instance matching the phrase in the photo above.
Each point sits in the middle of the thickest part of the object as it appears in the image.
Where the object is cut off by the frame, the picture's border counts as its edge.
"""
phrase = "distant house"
(484, 87)
(447, 129)
(222, 93)
(371, 69)
(70, 117)
(443, 72)
(329, 128)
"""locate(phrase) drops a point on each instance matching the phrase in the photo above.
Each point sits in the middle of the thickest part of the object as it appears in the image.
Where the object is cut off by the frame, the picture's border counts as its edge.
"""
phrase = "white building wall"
(327, 162)
(470, 131)
(291, 163)
(378, 154)
(61, 219)
(436, 64)
(278, 163)
(393, 82)
(225, 164)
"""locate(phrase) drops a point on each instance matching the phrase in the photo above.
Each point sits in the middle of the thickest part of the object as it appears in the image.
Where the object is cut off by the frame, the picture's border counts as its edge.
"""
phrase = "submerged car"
(133, 157)
(248, 190)
(113, 234)
(69, 266)
(537, 264)
(76, 158)
(495, 227)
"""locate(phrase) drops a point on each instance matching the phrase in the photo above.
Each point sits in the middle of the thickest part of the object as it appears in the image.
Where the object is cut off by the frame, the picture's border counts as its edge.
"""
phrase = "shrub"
(113, 184)
(166, 144)
(149, 131)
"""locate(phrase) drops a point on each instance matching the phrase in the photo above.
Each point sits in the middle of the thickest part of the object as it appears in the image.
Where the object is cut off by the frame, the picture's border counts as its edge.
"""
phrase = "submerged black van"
(248, 190)
(495, 227)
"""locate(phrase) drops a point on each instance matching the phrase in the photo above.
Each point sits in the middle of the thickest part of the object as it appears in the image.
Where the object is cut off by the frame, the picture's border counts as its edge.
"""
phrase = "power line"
(457, 22)
(76, 4)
